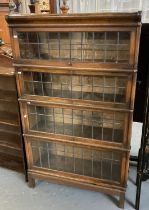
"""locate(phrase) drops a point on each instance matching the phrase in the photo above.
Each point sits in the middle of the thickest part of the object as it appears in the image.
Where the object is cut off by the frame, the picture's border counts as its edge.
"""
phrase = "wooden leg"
(121, 201)
(31, 182)
(26, 177)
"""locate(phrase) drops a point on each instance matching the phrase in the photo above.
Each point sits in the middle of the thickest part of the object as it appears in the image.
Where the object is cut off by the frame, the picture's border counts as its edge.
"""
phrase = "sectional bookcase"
(76, 77)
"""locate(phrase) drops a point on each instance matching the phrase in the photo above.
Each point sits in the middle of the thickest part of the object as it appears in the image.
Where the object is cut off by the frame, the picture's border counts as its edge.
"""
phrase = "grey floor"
(16, 195)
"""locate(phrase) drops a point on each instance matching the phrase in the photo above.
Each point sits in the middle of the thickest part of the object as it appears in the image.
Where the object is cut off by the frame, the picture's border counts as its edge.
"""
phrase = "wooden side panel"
(85, 163)
(75, 123)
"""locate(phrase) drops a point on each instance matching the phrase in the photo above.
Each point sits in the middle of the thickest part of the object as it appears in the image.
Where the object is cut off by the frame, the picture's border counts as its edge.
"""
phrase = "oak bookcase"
(76, 78)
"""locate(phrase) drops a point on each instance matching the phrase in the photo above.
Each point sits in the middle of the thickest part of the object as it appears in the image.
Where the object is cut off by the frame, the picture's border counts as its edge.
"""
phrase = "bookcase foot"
(31, 182)
(121, 201)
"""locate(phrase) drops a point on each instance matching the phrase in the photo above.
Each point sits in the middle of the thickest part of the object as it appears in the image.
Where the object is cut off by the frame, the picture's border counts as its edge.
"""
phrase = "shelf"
(9, 139)
(8, 96)
(8, 118)
(9, 128)
(12, 151)
(11, 161)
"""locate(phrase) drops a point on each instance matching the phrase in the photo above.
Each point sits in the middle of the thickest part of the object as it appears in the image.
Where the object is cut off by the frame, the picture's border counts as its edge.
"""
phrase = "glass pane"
(76, 49)
(87, 46)
(123, 47)
(88, 162)
(29, 51)
(92, 47)
(104, 126)
(69, 159)
(33, 37)
(65, 45)
(22, 37)
(77, 160)
(53, 45)
(96, 88)
(43, 51)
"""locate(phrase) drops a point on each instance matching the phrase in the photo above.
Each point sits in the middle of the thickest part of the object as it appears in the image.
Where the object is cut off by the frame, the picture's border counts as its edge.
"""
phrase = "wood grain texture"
(11, 148)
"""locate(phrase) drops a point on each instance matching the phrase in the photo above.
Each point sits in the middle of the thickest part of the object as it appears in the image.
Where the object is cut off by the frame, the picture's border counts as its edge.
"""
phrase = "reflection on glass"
(104, 47)
(95, 125)
(77, 160)
(96, 88)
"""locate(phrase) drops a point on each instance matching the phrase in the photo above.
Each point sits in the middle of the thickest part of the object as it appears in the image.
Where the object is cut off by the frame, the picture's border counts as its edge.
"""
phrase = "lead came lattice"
(92, 47)
(96, 88)
(77, 160)
(80, 123)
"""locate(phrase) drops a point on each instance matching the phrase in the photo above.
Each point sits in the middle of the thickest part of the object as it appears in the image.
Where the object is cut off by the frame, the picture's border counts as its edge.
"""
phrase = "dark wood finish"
(102, 19)
(76, 122)
(11, 148)
(8, 159)
(11, 144)
(53, 6)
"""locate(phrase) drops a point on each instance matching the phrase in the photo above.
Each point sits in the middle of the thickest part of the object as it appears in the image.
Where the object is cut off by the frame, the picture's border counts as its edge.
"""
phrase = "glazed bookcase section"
(100, 47)
(85, 87)
(76, 124)
(94, 163)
